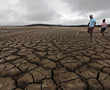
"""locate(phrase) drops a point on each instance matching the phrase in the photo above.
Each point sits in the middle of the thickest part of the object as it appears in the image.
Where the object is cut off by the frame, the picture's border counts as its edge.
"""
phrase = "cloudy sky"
(66, 12)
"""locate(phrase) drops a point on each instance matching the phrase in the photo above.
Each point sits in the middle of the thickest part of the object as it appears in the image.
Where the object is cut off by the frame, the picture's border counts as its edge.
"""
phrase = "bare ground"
(54, 59)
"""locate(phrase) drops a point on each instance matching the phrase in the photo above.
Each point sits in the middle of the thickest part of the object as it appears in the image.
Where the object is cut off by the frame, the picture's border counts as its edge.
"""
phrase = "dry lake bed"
(53, 58)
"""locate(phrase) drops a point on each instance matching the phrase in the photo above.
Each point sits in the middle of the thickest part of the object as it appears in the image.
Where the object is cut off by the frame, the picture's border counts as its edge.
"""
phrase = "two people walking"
(92, 24)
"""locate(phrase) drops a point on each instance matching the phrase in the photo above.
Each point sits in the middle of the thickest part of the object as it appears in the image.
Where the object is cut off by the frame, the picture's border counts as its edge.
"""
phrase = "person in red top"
(103, 26)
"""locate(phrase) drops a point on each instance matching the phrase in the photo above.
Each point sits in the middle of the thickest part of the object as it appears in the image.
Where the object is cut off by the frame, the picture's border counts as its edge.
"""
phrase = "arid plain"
(53, 58)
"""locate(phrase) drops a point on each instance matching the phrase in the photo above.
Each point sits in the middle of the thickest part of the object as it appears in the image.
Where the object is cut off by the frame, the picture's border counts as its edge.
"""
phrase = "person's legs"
(102, 31)
(91, 33)
(88, 30)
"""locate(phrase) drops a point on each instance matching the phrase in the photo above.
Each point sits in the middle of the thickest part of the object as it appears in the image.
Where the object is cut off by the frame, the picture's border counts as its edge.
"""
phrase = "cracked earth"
(54, 60)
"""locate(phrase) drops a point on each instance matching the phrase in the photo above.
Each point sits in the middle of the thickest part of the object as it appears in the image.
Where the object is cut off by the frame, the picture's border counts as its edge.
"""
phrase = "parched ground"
(57, 59)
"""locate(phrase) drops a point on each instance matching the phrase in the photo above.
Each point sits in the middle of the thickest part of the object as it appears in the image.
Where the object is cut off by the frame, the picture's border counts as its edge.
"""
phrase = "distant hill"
(42, 25)
(60, 25)
(57, 25)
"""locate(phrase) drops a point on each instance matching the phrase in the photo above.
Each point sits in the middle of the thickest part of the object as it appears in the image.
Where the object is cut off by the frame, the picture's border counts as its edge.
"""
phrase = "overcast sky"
(68, 12)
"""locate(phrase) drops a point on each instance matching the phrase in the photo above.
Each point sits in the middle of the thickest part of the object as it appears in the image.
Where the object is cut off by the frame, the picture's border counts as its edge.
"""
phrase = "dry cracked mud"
(54, 60)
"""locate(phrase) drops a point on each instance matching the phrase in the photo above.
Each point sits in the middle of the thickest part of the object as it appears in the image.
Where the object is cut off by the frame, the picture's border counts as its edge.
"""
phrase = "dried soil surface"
(45, 59)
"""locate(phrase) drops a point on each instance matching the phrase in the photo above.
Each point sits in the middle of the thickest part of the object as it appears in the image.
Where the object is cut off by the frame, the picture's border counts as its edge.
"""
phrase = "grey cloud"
(55, 12)
(88, 5)
(100, 8)
(39, 11)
